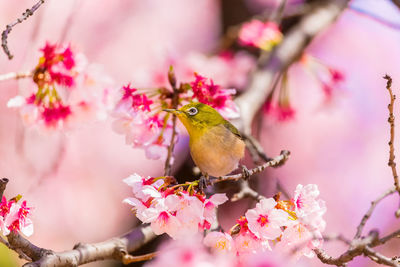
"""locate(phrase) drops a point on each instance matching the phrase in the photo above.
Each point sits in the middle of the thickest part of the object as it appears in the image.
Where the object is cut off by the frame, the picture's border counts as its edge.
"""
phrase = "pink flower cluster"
(138, 118)
(263, 35)
(179, 213)
(189, 252)
(66, 90)
(329, 78)
(206, 92)
(14, 217)
(56, 66)
(297, 222)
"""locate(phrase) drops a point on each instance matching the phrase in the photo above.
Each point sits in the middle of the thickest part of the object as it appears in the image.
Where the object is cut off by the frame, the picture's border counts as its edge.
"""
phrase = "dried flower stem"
(25, 15)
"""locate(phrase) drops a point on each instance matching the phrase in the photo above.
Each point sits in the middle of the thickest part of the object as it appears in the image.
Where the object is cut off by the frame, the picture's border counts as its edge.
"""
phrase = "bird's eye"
(192, 111)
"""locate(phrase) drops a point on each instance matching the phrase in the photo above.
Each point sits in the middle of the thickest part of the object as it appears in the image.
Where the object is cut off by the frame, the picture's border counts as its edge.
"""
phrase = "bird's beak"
(173, 111)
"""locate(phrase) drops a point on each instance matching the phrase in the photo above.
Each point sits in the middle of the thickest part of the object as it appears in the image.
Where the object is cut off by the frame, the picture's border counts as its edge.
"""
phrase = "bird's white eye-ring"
(192, 111)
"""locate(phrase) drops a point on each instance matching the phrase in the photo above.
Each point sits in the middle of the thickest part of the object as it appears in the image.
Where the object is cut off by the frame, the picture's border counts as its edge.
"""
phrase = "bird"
(216, 146)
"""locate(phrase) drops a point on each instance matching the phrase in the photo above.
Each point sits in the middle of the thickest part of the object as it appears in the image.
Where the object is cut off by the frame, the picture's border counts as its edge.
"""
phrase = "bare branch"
(115, 248)
(292, 46)
(391, 162)
(367, 215)
(379, 258)
(275, 162)
(25, 15)
(357, 248)
(395, 234)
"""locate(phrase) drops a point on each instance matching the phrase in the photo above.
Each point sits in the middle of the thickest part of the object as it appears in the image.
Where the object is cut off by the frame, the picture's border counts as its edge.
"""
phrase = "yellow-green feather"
(216, 145)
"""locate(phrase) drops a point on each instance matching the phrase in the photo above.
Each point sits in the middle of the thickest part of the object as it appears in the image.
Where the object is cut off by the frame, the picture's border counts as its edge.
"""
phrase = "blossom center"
(263, 220)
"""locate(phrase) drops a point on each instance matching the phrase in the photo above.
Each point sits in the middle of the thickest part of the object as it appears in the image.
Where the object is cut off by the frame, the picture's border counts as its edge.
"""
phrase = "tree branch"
(115, 248)
(367, 215)
(318, 18)
(275, 162)
(25, 15)
(391, 162)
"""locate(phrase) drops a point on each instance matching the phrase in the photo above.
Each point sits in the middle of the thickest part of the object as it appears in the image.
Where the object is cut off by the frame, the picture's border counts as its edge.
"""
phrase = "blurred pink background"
(74, 179)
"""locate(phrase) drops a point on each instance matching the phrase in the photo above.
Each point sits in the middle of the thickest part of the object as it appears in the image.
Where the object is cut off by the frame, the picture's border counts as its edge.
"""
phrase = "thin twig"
(15, 75)
(395, 234)
(333, 237)
(275, 162)
(255, 148)
(246, 192)
(379, 258)
(391, 162)
(174, 103)
(367, 215)
(25, 15)
(3, 184)
(357, 249)
(127, 259)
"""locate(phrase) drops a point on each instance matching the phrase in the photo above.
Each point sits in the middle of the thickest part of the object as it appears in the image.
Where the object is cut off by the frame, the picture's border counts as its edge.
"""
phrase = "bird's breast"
(217, 151)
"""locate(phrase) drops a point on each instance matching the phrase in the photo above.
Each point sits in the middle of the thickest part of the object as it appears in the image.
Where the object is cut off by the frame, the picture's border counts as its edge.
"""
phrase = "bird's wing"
(233, 129)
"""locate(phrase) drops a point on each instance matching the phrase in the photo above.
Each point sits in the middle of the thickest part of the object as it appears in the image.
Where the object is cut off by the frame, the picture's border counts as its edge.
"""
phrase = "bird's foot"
(204, 181)
(245, 172)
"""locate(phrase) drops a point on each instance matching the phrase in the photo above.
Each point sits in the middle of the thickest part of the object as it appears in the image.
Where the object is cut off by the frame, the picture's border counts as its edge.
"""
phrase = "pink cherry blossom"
(263, 35)
(210, 204)
(56, 66)
(142, 129)
(220, 242)
(164, 220)
(206, 92)
(308, 207)
(226, 69)
(189, 252)
(189, 213)
(299, 235)
(330, 79)
(265, 221)
(174, 211)
(66, 90)
(15, 217)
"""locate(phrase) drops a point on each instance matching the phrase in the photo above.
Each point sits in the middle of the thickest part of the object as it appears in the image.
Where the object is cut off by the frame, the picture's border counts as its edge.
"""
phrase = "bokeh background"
(74, 178)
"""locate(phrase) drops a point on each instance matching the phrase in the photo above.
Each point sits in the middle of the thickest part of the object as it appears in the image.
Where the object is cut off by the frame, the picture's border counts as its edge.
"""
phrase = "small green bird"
(215, 144)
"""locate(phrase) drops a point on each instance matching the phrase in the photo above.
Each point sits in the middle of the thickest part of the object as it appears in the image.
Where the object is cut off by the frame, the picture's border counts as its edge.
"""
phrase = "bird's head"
(197, 116)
